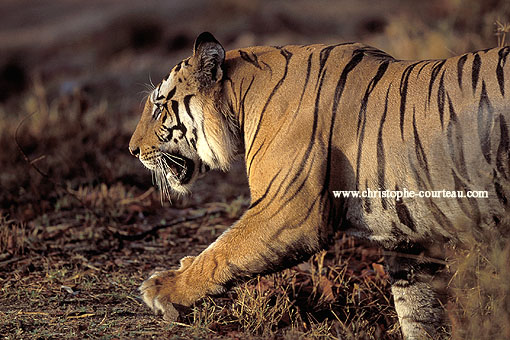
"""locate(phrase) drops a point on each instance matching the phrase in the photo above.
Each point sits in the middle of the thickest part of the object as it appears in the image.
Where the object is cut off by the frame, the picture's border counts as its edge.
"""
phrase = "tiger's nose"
(134, 151)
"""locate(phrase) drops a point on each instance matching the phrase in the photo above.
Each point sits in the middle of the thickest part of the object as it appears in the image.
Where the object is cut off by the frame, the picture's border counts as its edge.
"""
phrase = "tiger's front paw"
(165, 288)
(153, 294)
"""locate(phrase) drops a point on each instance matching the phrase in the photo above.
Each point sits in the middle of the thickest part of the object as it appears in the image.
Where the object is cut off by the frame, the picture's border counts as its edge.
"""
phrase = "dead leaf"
(379, 269)
(326, 286)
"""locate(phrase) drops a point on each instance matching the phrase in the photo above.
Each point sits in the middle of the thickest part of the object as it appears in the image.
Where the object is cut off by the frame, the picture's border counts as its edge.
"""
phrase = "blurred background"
(78, 211)
(80, 68)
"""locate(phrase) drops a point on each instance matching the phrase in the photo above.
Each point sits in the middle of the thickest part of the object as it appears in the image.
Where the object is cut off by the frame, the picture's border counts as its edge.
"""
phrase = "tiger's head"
(186, 127)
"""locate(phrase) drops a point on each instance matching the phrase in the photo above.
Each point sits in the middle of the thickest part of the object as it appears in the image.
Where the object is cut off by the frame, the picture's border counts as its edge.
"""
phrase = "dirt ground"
(81, 225)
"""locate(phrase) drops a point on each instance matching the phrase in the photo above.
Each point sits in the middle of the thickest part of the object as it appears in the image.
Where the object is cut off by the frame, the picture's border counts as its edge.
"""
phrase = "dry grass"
(501, 30)
(340, 294)
(480, 304)
(13, 237)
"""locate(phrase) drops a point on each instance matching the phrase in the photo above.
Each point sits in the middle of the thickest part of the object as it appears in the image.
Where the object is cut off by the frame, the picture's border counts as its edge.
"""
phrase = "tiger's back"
(314, 120)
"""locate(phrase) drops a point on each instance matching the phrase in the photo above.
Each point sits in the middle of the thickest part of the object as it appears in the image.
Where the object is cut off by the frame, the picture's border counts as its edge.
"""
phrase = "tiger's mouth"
(179, 168)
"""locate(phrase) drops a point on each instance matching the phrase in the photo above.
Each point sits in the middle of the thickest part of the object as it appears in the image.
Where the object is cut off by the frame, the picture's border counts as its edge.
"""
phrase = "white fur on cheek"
(204, 150)
(166, 85)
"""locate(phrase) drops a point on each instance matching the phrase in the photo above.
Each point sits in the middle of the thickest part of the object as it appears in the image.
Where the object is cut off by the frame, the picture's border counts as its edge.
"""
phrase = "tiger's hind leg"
(417, 285)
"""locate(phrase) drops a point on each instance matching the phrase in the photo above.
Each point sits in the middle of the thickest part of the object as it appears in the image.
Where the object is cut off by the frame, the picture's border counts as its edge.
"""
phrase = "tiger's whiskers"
(163, 173)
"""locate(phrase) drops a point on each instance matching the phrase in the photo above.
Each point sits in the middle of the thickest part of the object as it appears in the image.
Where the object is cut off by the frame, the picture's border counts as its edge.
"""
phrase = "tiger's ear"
(210, 56)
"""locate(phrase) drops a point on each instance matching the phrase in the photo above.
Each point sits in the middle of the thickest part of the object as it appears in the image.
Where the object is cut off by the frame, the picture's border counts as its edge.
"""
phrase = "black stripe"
(306, 177)
(500, 74)
(381, 159)
(161, 139)
(485, 117)
(340, 86)
(500, 193)
(281, 253)
(290, 168)
(403, 94)
(362, 114)
(404, 215)
(254, 204)
(248, 166)
(420, 152)
(287, 55)
(367, 206)
(441, 100)
(323, 58)
(475, 71)
(380, 72)
(433, 75)
(287, 122)
(178, 67)
(440, 217)
(307, 78)
(306, 216)
(175, 110)
(455, 141)
(229, 80)
(171, 93)
(503, 153)
(471, 209)
(420, 182)
(187, 107)
(179, 125)
(193, 140)
(324, 54)
(402, 278)
(460, 69)
(250, 58)
(425, 63)
(157, 111)
(243, 101)
(159, 96)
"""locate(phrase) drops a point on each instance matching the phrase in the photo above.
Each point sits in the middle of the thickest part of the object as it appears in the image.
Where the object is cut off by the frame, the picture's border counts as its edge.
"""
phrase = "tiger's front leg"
(239, 253)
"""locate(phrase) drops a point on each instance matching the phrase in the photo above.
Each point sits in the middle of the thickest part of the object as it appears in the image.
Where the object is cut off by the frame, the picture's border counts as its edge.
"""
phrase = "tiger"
(312, 120)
